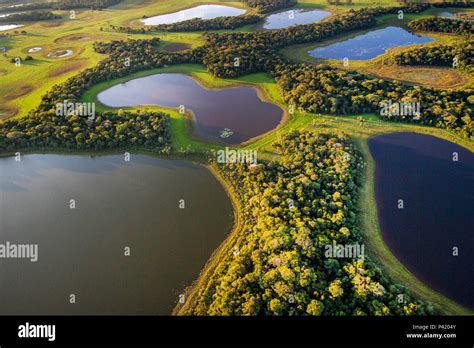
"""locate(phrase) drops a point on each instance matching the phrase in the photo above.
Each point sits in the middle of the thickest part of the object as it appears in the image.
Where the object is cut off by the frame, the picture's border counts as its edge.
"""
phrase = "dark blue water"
(369, 45)
(438, 197)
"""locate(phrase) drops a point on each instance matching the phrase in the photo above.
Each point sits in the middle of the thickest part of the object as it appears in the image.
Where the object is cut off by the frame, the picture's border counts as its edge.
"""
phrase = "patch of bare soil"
(175, 47)
(23, 90)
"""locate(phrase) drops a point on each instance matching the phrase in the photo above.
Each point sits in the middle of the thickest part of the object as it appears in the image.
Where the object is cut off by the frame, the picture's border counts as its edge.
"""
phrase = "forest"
(336, 91)
(292, 209)
(457, 56)
(62, 5)
(46, 130)
(29, 16)
(442, 25)
(269, 5)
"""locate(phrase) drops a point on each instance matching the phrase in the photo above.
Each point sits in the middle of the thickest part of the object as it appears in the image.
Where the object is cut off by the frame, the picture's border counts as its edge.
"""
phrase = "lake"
(119, 204)
(437, 195)
(369, 45)
(288, 18)
(238, 109)
(5, 27)
(201, 11)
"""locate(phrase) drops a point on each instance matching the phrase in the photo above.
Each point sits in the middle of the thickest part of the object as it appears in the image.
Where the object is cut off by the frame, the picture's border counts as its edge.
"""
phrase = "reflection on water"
(238, 109)
(294, 17)
(118, 204)
(369, 45)
(202, 11)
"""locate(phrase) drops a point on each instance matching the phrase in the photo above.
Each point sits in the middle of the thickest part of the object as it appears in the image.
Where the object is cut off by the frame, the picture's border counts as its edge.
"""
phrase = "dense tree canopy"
(442, 25)
(322, 89)
(106, 131)
(269, 5)
(293, 209)
(458, 56)
(61, 5)
(29, 16)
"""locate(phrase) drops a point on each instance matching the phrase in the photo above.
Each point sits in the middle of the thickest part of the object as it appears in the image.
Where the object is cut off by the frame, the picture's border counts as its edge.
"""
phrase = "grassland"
(21, 89)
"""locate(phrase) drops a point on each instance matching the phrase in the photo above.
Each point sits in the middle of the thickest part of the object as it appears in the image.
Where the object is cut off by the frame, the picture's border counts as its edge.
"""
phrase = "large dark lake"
(201, 11)
(119, 204)
(437, 214)
(369, 45)
(238, 109)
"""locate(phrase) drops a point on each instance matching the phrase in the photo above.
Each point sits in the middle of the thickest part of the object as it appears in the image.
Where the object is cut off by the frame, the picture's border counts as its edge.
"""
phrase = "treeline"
(45, 130)
(457, 56)
(322, 89)
(92, 4)
(292, 211)
(125, 58)
(269, 5)
(29, 16)
(195, 24)
(442, 25)
(27, 7)
(62, 5)
(236, 54)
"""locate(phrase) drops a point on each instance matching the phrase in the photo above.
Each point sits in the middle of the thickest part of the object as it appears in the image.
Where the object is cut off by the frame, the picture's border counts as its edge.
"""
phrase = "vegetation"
(458, 56)
(292, 210)
(62, 5)
(29, 17)
(26, 7)
(327, 90)
(269, 5)
(73, 132)
(443, 25)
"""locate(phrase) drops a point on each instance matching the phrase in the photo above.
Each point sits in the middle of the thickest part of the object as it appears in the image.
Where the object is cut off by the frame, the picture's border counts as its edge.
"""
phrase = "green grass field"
(22, 87)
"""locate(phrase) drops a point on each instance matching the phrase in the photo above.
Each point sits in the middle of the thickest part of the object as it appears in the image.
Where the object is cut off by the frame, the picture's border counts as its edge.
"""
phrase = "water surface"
(118, 204)
(369, 45)
(288, 18)
(5, 27)
(238, 109)
(438, 197)
(201, 11)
